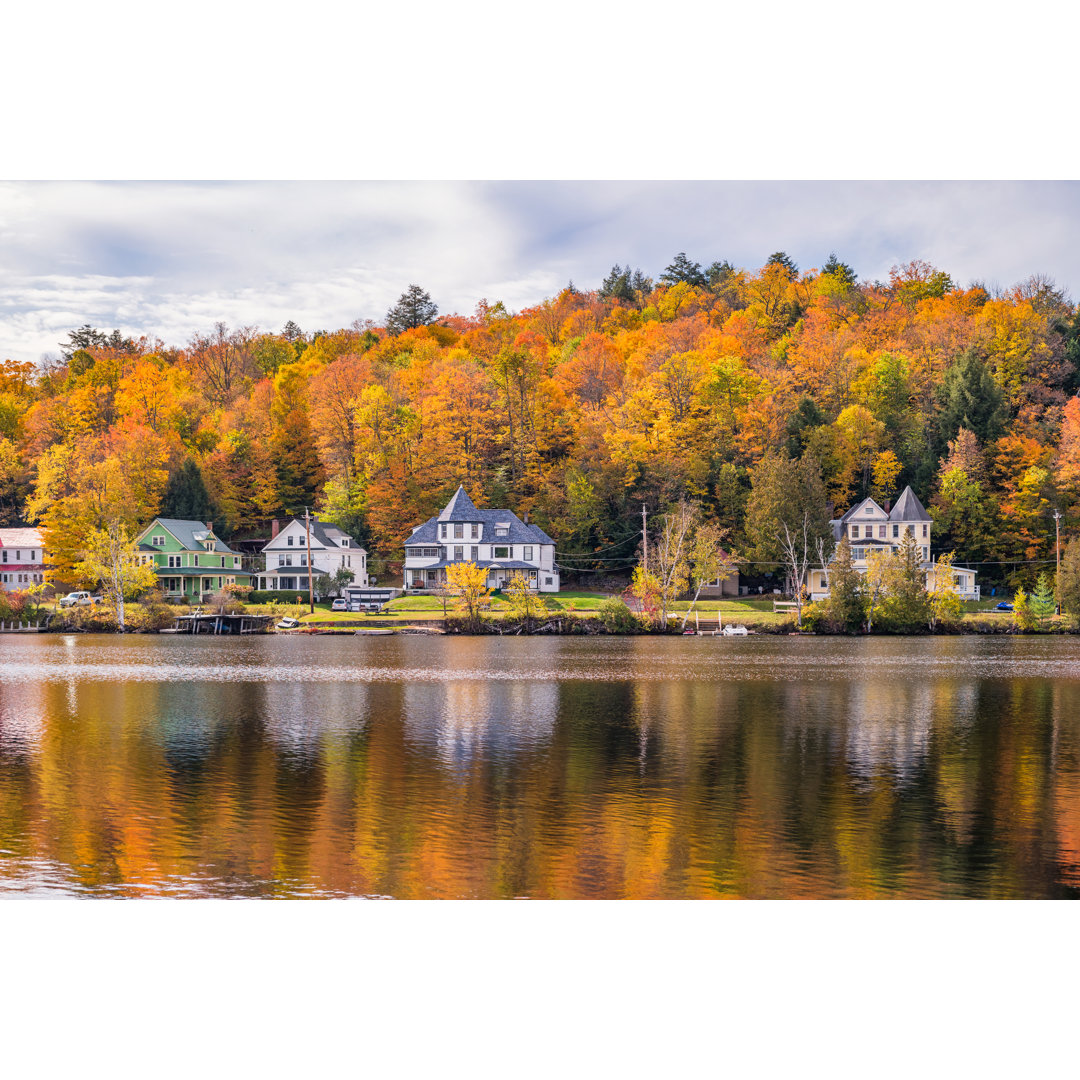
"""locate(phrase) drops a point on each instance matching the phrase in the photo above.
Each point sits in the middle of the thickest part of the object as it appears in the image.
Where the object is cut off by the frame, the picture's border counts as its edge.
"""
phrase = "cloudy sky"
(172, 258)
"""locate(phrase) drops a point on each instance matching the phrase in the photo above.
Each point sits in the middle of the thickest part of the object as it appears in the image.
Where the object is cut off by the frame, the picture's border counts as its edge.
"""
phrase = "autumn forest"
(701, 385)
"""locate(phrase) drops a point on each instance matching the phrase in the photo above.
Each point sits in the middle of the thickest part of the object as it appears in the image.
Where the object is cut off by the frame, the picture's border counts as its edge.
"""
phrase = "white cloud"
(171, 258)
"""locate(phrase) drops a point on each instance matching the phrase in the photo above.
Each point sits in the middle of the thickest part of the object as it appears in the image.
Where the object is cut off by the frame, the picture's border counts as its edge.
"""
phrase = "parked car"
(79, 599)
(339, 605)
(1003, 606)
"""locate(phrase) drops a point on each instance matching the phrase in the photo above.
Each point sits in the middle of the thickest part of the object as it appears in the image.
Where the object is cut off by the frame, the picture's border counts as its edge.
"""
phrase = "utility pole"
(644, 541)
(1057, 561)
(310, 586)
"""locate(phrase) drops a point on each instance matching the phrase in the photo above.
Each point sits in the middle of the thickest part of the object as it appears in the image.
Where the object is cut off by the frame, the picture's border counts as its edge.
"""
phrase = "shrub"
(616, 617)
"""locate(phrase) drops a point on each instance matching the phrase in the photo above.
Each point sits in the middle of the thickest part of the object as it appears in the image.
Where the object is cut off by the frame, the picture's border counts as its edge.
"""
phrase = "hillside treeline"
(711, 384)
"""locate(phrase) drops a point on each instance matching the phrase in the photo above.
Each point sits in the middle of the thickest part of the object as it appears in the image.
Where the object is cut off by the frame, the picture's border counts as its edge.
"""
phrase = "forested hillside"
(732, 388)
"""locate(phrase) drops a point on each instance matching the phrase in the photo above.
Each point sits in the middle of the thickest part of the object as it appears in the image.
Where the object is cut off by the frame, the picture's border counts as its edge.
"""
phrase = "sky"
(171, 258)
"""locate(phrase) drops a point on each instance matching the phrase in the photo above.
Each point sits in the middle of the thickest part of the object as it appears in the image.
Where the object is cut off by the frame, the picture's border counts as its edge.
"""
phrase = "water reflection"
(558, 768)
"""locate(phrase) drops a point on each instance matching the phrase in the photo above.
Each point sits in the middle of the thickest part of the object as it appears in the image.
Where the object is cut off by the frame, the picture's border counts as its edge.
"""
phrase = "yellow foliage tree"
(468, 583)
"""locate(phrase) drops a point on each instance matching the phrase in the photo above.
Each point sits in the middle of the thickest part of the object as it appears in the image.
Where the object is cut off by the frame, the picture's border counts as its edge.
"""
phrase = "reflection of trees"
(676, 786)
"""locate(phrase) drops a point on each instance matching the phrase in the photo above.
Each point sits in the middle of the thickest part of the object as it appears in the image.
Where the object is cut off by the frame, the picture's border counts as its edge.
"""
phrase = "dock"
(222, 624)
(15, 626)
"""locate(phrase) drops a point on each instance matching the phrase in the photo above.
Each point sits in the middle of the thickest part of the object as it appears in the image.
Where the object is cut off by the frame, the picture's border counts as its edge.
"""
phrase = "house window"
(344, 541)
(501, 552)
(924, 532)
(475, 553)
(527, 554)
(289, 541)
(303, 559)
(18, 555)
(926, 554)
(236, 560)
(442, 534)
(286, 559)
(858, 553)
(547, 581)
(459, 554)
(194, 560)
(4, 554)
(895, 531)
(854, 532)
(869, 509)
(459, 531)
(158, 541)
(881, 532)
(475, 534)
(502, 531)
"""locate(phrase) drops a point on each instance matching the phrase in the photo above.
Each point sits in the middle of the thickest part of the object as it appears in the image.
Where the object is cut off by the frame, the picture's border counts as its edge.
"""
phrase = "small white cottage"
(331, 549)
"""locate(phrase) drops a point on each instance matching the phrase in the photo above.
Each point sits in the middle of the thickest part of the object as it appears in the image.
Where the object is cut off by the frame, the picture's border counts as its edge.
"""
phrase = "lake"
(425, 767)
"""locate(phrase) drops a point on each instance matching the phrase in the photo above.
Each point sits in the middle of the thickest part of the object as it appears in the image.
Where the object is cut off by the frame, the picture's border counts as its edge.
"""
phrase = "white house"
(496, 539)
(287, 556)
(22, 561)
(870, 528)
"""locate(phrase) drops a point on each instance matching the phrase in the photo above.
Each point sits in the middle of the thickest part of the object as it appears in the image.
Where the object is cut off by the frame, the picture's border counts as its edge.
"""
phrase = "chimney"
(275, 528)
(526, 517)
(209, 526)
(888, 505)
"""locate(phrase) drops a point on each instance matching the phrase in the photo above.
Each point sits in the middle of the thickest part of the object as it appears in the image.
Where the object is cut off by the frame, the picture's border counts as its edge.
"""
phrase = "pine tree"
(186, 496)
(782, 258)
(845, 607)
(839, 270)
(1042, 599)
(969, 397)
(414, 308)
(682, 269)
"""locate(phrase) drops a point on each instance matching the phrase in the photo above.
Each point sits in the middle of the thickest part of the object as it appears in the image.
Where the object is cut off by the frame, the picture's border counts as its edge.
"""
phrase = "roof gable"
(859, 512)
(189, 534)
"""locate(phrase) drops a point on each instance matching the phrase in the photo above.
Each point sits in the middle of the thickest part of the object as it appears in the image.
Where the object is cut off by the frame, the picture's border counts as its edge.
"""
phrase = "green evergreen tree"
(1043, 601)
(839, 270)
(969, 397)
(186, 496)
(845, 607)
(782, 258)
(414, 308)
(1069, 579)
(617, 285)
(682, 269)
(907, 605)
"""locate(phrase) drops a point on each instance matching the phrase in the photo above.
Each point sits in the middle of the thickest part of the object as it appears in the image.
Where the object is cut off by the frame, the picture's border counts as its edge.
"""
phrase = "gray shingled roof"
(908, 508)
(188, 533)
(462, 508)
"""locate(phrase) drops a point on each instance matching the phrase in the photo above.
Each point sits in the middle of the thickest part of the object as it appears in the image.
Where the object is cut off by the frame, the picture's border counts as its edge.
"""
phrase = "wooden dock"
(14, 626)
(222, 624)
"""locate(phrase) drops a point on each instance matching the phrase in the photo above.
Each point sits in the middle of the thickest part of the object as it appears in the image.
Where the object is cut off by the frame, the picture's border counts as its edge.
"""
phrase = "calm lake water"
(544, 767)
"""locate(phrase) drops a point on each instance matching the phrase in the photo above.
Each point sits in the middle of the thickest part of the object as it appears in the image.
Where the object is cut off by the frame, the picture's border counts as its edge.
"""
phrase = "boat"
(370, 631)
(734, 631)
(288, 623)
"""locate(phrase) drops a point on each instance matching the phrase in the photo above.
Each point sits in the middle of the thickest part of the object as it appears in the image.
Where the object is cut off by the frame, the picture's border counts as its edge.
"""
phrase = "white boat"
(288, 623)
(734, 631)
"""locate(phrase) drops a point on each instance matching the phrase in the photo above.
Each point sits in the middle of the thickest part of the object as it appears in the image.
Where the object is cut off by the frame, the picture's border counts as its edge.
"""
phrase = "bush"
(617, 617)
(282, 596)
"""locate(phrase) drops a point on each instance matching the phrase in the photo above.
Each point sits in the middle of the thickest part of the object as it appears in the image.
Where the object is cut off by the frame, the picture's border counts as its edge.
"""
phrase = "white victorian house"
(287, 556)
(496, 539)
(868, 528)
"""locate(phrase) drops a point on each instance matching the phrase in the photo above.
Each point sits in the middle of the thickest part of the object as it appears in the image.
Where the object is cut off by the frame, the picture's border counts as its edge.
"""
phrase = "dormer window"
(344, 541)
(502, 530)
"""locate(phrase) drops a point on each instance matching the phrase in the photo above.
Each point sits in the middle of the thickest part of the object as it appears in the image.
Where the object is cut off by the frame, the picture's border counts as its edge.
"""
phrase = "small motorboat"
(734, 631)
(288, 623)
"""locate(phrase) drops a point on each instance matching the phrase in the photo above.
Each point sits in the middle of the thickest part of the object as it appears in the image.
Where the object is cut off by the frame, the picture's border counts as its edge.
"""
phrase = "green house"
(191, 561)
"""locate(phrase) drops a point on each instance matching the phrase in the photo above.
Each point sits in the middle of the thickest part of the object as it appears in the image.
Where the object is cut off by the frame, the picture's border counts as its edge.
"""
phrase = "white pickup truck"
(79, 599)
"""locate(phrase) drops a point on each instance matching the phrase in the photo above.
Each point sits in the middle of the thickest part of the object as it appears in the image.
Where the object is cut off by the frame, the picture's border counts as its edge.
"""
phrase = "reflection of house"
(331, 549)
(190, 560)
(22, 562)
(870, 528)
(495, 539)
